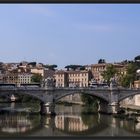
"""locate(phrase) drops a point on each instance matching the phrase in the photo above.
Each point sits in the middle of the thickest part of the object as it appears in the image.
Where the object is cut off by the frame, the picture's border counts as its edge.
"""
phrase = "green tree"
(100, 61)
(130, 76)
(137, 58)
(110, 72)
(32, 63)
(89, 100)
(37, 78)
(51, 67)
(74, 67)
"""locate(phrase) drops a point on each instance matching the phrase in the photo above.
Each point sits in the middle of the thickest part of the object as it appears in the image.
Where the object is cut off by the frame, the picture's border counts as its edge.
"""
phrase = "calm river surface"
(69, 121)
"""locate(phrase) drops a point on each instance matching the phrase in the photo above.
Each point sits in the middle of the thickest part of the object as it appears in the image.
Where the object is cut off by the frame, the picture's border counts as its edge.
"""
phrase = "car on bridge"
(93, 84)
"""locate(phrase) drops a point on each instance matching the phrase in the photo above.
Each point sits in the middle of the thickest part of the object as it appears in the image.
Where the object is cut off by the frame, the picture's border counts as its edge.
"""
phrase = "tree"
(37, 78)
(109, 73)
(74, 67)
(89, 100)
(32, 64)
(100, 61)
(51, 67)
(82, 68)
(137, 58)
(130, 76)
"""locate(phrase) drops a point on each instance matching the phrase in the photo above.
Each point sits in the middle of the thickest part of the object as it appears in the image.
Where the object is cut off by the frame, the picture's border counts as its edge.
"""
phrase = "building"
(24, 78)
(98, 69)
(134, 100)
(61, 78)
(37, 71)
(77, 78)
(48, 73)
(10, 78)
(137, 81)
(17, 78)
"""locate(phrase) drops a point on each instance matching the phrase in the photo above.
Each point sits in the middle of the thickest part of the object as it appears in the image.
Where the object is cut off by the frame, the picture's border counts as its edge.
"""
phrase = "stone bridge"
(109, 97)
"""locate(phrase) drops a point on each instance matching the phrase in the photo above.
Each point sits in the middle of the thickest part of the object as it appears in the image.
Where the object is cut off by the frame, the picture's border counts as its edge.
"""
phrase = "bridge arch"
(99, 96)
(128, 95)
(29, 94)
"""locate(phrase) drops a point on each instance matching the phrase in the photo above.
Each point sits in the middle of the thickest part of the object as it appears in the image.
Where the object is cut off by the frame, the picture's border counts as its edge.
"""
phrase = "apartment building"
(98, 69)
(61, 78)
(24, 78)
(77, 78)
(10, 78)
(48, 73)
(17, 78)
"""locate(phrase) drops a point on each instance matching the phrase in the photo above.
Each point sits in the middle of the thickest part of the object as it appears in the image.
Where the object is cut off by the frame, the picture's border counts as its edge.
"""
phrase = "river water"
(69, 121)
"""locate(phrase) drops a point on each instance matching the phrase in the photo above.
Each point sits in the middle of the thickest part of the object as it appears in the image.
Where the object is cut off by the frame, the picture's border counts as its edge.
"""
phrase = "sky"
(65, 34)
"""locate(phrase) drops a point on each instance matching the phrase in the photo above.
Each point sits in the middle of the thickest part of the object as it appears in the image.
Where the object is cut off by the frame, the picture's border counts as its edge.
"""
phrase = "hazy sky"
(65, 34)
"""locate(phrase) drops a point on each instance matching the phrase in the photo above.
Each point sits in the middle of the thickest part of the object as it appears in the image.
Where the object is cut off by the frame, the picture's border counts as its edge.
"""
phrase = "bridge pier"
(113, 108)
(47, 108)
(108, 108)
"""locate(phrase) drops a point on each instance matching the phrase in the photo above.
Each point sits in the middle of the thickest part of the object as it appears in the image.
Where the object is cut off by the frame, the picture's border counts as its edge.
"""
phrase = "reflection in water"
(131, 126)
(15, 123)
(69, 121)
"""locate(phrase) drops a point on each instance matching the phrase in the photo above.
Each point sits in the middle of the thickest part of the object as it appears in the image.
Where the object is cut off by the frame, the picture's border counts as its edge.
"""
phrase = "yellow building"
(37, 71)
(77, 78)
(17, 78)
(10, 78)
(61, 78)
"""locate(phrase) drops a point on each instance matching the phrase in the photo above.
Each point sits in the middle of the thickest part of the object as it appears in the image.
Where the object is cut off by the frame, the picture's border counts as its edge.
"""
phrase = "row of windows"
(77, 79)
(83, 74)
(60, 75)
(98, 69)
(13, 77)
(24, 80)
(60, 80)
(70, 75)
(24, 77)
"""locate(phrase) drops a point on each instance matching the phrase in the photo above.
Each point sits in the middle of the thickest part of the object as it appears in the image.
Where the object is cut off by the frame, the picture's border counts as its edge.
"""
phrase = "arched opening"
(22, 101)
(130, 99)
(92, 102)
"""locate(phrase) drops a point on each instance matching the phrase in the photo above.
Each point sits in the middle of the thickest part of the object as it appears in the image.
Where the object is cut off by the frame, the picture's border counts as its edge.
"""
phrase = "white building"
(24, 78)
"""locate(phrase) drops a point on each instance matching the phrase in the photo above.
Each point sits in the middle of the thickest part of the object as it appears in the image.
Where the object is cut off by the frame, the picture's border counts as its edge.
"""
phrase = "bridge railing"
(81, 88)
(64, 88)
